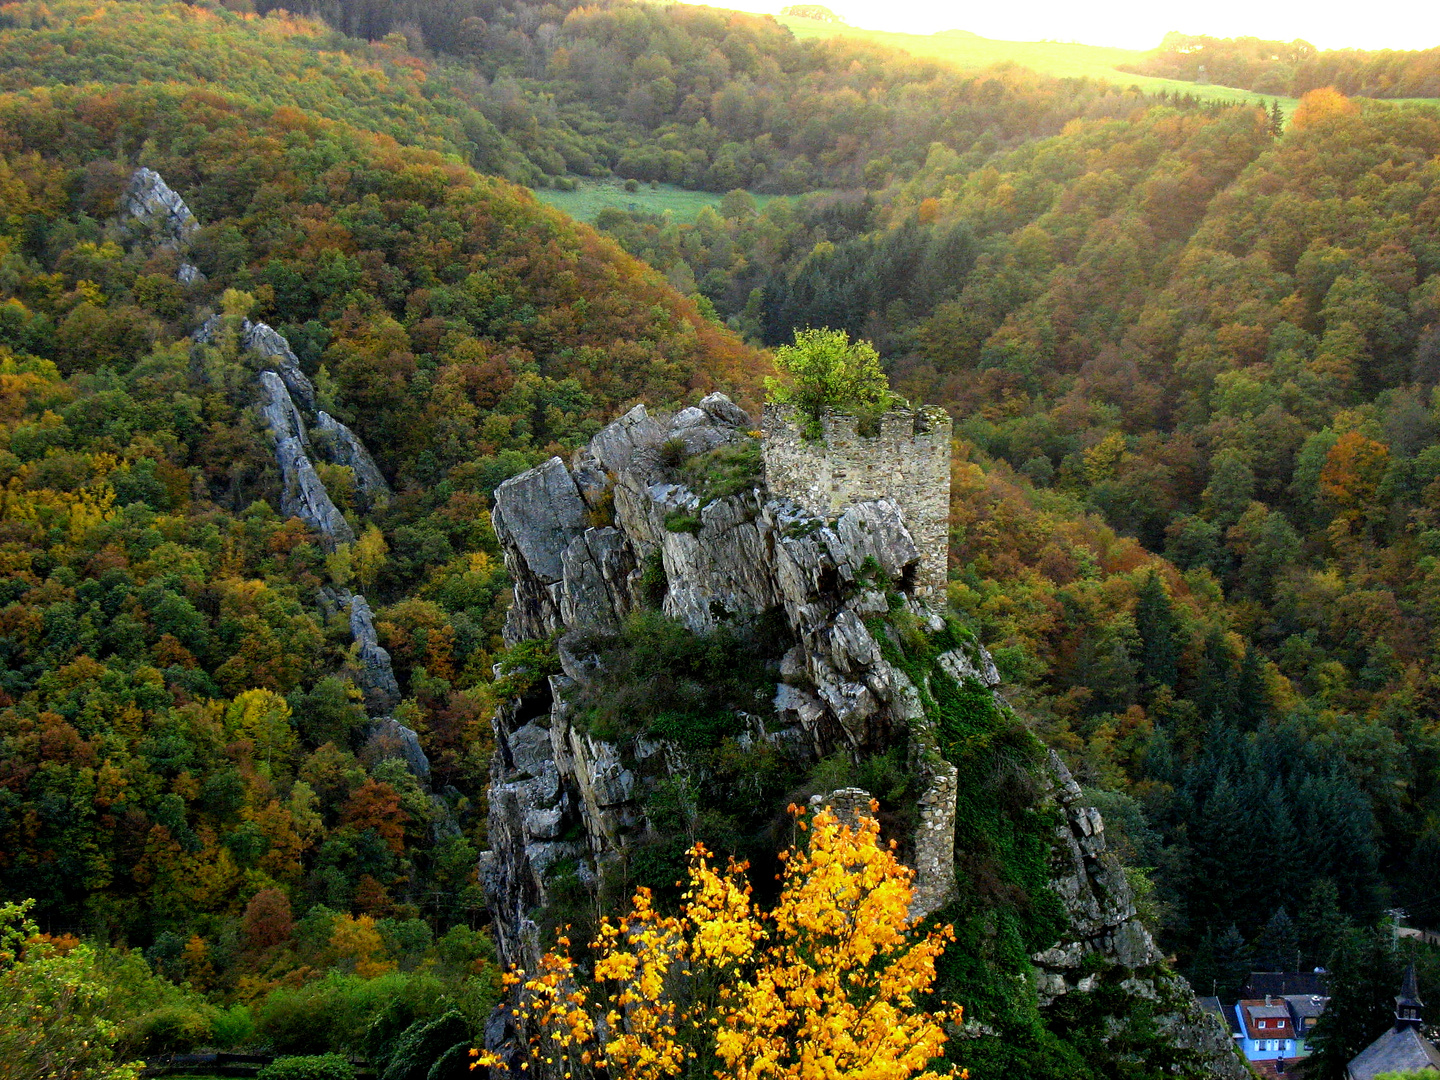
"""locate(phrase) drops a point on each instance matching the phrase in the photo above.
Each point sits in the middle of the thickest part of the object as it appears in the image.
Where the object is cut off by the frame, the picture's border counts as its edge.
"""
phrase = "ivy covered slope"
(692, 652)
(186, 763)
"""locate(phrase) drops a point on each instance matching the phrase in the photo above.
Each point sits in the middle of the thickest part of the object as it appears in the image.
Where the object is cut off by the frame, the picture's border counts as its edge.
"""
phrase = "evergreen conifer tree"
(1278, 946)
(1364, 976)
(1160, 633)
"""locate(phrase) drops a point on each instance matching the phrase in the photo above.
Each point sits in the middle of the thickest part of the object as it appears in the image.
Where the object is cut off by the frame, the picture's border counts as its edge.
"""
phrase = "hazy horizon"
(1133, 25)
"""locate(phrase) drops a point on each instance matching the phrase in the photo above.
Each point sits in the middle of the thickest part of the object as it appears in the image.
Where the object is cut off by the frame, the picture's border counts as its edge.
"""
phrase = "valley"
(423, 525)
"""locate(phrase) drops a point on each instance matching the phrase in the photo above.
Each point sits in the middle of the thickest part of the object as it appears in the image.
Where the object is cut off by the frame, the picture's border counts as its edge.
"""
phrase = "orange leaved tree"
(830, 983)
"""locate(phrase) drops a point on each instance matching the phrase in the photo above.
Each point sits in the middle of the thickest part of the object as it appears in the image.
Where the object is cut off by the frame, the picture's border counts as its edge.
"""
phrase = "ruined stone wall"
(907, 460)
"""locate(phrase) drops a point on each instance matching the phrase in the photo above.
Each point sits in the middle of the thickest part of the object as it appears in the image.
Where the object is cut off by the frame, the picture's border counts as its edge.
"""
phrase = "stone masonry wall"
(908, 461)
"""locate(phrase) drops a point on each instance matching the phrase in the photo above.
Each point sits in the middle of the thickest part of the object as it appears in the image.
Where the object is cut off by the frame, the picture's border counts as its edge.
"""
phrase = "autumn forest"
(1191, 350)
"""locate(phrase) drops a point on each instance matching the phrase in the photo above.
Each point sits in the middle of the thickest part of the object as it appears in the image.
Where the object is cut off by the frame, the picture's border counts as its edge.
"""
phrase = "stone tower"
(907, 460)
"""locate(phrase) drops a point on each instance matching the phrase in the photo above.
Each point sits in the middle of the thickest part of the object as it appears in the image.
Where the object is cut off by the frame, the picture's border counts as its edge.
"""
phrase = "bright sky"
(1135, 24)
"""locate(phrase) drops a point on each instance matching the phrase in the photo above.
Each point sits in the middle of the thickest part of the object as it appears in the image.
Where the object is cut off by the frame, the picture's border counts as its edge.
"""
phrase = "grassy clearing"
(592, 196)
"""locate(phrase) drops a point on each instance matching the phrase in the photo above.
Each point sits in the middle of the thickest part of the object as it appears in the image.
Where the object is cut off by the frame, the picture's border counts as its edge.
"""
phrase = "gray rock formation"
(390, 738)
(536, 516)
(386, 736)
(272, 345)
(278, 411)
(152, 202)
(302, 495)
(1091, 884)
(839, 582)
(377, 678)
(280, 387)
(206, 332)
(736, 557)
(338, 445)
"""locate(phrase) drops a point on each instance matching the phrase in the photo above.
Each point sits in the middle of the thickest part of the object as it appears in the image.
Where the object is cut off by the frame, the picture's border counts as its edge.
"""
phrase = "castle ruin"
(906, 460)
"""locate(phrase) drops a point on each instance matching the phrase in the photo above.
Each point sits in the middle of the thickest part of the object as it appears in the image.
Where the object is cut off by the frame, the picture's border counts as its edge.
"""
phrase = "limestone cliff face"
(613, 531)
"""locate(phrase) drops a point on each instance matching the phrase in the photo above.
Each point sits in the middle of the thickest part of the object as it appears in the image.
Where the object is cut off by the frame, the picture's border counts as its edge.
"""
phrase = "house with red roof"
(1267, 1032)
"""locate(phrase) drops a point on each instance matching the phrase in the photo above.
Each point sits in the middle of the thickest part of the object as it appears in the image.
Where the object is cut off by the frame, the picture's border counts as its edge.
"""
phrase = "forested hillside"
(185, 765)
(1220, 340)
(1294, 67)
(538, 93)
(1192, 353)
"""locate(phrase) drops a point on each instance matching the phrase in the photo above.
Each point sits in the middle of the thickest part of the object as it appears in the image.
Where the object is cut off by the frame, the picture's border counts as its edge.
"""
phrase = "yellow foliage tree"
(357, 941)
(829, 984)
(1321, 104)
(263, 717)
(368, 556)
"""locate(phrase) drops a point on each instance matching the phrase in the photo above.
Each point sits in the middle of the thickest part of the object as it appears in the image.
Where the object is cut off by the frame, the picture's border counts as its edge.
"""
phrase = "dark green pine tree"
(1161, 634)
(1252, 696)
(1322, 925)
(1225, 879)
(1364, 975)
(1278, 946)
(1277, 119)
(1338, 839)
(1233, 961)
(1285, 871)
(1215, 693)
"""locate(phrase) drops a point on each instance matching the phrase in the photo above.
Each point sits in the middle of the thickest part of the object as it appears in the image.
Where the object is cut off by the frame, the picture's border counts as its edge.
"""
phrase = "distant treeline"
(1294, 68)
(710, 99)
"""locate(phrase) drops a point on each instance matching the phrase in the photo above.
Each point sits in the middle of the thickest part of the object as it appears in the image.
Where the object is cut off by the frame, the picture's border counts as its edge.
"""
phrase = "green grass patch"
(683, 521)
(725, 471)
(590, 197)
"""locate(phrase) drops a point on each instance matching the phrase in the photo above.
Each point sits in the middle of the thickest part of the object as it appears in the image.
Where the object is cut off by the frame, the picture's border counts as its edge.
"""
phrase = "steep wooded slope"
(186, 761)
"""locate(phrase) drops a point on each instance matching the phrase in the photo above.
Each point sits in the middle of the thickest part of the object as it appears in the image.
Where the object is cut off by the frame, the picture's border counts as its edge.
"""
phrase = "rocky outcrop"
(284, 395)
(338, 445)
(390, 738)
(537, 515)
(615, 531)
(703, 563)
(302, 495)
(278, 411)
(271, 344)
(1091, 884)
(152, 202)
(377, 678)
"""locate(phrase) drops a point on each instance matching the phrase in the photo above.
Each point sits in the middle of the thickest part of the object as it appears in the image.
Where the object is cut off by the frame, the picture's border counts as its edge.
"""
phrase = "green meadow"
(592, 196)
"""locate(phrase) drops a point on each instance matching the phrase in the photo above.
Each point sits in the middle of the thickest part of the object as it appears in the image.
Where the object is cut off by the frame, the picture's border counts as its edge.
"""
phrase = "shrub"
(823, 369)
(852, 970)
(659, 676)
(727, 470)
(309, 1067)
(679, 521)
(332, 1013)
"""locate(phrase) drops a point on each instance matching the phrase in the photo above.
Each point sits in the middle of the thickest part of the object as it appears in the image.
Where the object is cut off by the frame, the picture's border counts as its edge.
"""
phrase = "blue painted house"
(1267, 1032)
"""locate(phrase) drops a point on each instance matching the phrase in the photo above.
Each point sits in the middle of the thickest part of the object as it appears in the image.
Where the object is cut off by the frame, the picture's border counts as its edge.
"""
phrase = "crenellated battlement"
(907, 460)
